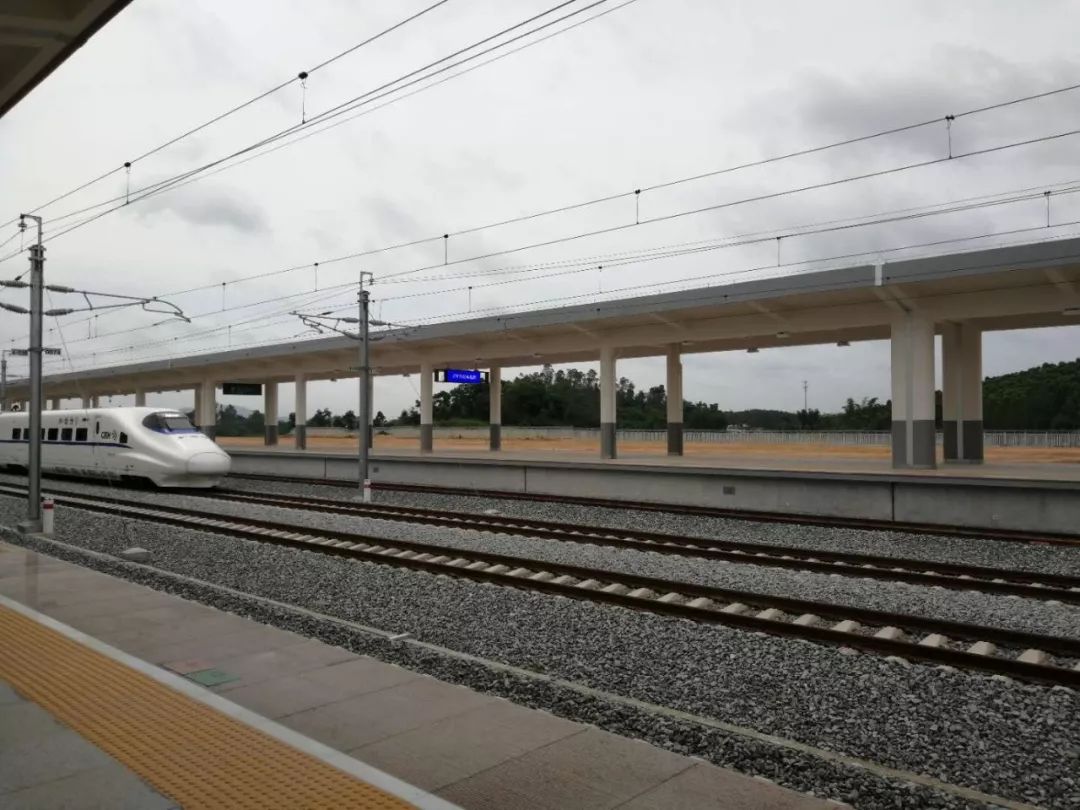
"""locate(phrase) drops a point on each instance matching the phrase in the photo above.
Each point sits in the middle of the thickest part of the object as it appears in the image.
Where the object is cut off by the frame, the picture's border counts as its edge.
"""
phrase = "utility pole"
(365, 393)
(3, 379)
(805, 385)
(364, 321)
(32, 525)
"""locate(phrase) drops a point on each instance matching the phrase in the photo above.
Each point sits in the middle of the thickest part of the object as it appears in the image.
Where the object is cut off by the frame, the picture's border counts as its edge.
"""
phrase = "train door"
(66, 454)
(110, 444)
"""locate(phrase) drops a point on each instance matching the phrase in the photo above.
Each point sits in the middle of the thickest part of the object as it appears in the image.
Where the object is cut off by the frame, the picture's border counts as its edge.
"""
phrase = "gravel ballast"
(971, 551)
(970, 607)
(1006, 738)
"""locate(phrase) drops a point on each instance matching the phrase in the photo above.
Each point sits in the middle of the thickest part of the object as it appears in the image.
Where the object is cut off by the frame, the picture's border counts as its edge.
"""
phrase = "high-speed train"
(156, 444)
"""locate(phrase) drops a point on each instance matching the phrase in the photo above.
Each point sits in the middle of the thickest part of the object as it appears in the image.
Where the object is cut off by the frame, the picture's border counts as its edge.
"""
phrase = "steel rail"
(649, 594)
(956, 576)
(943, 530)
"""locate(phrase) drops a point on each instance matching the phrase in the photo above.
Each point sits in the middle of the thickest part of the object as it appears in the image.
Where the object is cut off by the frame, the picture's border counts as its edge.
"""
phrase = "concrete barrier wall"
(867, 438)
(976, 503)
(804, 496)
(1026, 508)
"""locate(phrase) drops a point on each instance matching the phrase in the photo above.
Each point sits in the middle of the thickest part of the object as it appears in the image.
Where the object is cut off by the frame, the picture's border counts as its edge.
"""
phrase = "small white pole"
(48, 515)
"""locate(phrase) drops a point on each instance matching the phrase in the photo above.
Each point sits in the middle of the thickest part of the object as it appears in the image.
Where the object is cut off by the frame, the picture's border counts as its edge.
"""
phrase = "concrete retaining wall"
(991, 438)
(971, 502)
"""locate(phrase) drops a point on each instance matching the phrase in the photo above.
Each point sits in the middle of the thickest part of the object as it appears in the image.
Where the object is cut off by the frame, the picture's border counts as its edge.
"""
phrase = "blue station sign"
(469, 376)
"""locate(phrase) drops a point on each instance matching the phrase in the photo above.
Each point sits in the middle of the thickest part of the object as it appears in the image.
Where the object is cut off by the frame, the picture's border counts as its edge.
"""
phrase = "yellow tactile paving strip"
(184, 749)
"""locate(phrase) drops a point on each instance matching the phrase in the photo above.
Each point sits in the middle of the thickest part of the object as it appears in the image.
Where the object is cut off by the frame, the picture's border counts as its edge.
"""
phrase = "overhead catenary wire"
(662, 218)
(791, 231)
(742, 201)
(618, 260)
(694, 177)
(735, 240)
(398, 98)
(969, 112)
(706, 298)
(324, 296)
(344, 107)
(631, 305)
(875, 252)
(233, 110)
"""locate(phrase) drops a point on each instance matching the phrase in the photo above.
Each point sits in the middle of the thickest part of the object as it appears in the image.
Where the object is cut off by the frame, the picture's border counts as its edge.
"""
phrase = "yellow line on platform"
(186, 750)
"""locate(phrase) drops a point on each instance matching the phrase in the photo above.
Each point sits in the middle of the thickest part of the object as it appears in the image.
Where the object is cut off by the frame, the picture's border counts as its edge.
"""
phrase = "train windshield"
(168, 422)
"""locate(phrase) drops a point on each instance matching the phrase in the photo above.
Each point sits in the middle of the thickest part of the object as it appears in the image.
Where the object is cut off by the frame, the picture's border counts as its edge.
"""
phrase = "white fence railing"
(869, 438)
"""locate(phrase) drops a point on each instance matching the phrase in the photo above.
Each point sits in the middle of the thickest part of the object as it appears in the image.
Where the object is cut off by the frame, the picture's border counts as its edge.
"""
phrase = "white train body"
(157, 444)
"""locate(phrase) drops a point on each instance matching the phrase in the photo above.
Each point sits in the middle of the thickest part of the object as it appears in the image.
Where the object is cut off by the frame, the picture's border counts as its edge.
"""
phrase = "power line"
(686, 248)
(618, 260)
(874, 253)
(737, 240)
(719, 297)
(216, 329)
(218, 311)
(403, 96)
(668, 217)
(340, 109)
(593, 297)
(691, 178)
(237, 108)
(742, 201)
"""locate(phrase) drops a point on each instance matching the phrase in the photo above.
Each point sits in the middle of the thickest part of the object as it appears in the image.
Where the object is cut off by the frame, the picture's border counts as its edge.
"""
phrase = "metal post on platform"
(365, 394)
(37, 271)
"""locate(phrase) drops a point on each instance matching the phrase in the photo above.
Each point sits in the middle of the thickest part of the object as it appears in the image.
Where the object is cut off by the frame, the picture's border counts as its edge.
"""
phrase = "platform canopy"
(37, 36)
(1016, 287)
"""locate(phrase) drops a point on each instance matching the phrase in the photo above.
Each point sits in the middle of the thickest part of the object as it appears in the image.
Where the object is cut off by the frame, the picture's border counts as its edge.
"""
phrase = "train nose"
(209, 464)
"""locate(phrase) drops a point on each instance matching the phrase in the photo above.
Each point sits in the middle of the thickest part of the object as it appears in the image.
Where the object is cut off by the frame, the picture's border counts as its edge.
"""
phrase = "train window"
(97, 428)
(43, 434)
(123, 438)
(65, 435)
(52, 434)
(80, 434)
(168, 423)
(16, 433)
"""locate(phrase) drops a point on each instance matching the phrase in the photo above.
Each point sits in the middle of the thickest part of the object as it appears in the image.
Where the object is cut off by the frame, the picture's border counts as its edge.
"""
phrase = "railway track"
(1009, 535)
(1008, 582)
(1027, 656)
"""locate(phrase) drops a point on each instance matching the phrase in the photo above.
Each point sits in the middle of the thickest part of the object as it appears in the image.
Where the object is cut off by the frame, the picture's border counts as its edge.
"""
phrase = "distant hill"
(1046, 397)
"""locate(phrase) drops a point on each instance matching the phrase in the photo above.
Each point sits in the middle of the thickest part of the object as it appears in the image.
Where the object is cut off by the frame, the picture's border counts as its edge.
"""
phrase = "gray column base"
(271, 437)
(427, 438)
(495, 434)
(923, 445)
(607, 440)
(972, 431)
(300, 437)
(209, 430)
(674, 439)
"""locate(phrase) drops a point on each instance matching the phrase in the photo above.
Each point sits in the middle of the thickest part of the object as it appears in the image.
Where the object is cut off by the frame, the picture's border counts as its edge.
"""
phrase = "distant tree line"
(1046, 397)
(1043, 398)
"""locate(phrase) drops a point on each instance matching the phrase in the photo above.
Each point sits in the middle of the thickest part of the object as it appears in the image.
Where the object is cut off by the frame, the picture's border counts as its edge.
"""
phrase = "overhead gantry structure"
(959, 296)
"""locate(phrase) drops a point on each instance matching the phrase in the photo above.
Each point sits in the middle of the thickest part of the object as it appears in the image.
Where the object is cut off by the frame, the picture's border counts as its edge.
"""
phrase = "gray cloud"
(645, 95)
(228, 208)
(830, 106)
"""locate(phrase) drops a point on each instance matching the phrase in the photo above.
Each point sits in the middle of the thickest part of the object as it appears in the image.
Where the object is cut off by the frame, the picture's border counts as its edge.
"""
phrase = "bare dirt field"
(1014, 455)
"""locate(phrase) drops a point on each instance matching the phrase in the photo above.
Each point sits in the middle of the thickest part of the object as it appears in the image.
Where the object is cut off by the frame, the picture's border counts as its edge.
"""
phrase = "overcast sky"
(651, 92)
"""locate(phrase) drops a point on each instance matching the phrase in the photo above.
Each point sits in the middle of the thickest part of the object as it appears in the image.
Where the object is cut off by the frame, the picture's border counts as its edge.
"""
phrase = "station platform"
(116, 695)
(996, 495)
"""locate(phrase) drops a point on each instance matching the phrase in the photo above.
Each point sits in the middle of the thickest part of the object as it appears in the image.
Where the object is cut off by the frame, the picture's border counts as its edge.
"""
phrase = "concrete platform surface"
(46, 766)
(471, 749)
